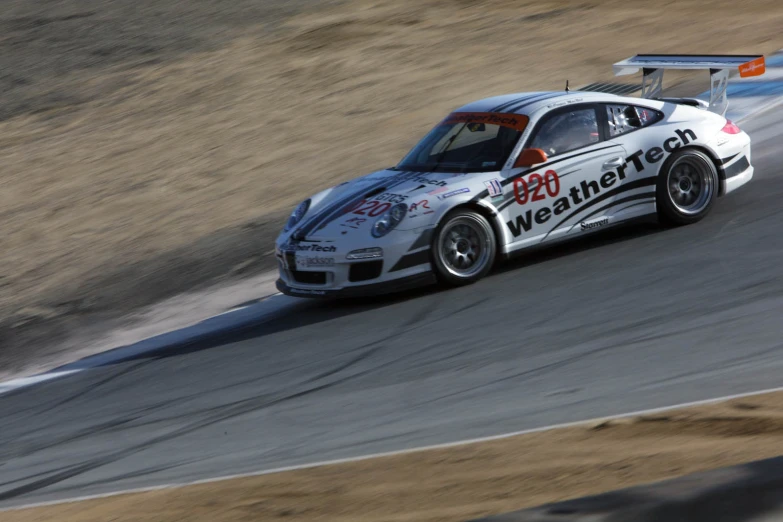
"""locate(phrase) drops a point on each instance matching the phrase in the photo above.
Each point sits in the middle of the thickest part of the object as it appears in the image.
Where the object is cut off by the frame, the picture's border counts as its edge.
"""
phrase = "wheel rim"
(690, 184)
(464, 247)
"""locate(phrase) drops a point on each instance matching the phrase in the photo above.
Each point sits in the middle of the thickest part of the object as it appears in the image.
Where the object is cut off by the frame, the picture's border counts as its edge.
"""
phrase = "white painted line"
(237, 309)
(255, 311)
(769, 105)
(360, 458)
(14, 384)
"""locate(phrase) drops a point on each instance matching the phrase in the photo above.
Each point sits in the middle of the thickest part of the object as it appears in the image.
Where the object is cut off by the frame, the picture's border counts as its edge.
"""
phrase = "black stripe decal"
(525, 103)
(303, 230)
(524, 100)
(409, 260)
(512, 102)
(736, 168)
(423, 240)
(510, 179)
(635, 197)
(647, 202)
(639, 183)
(726, 160)
(611, 88)
(334, 211)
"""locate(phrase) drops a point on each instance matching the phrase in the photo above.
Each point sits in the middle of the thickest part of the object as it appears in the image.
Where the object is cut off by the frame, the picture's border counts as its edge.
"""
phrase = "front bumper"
(323, 268)
(385, 287)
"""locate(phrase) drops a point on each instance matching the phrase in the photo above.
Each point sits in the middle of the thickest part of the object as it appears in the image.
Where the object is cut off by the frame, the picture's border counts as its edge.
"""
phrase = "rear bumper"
(733, 183)
(385, 287)
(736, 170)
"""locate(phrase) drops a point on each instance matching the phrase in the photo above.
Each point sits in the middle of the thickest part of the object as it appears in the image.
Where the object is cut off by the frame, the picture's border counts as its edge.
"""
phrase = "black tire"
(463, 248)
(686, 188)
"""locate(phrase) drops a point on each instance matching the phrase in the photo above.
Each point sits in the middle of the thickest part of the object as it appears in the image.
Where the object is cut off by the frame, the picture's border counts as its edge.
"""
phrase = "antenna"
(567, 86)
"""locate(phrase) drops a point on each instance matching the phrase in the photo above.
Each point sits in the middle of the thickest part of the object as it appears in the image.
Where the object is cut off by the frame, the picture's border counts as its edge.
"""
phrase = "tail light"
(730, 128)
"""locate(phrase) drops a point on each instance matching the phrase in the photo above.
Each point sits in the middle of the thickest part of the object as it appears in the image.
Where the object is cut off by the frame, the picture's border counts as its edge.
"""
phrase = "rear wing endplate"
(720, 67)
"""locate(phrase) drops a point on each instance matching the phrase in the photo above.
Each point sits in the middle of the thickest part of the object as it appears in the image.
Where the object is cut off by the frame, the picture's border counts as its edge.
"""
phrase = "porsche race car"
(507, 173)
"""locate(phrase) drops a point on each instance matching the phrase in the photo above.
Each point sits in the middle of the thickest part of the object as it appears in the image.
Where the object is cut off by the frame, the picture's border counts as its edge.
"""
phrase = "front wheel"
(463, 249)
(687, 188)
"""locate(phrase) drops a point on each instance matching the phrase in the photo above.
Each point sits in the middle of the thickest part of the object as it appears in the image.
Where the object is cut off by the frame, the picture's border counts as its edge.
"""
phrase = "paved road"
(634, 319)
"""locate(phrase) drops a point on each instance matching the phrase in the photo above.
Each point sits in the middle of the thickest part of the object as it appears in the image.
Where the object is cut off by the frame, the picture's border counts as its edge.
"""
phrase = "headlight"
(389, 220)
(297, 214)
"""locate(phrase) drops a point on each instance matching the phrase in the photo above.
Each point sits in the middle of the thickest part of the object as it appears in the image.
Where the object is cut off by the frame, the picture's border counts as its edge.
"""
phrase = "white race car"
(508, 173)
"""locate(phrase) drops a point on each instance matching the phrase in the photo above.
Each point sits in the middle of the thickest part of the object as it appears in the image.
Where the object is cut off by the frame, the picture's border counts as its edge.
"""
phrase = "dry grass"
(467, 481)
(106, 201)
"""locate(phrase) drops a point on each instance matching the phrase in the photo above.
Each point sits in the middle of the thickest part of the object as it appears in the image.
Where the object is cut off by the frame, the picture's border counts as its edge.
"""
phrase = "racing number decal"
(549, 182)
(371, 208)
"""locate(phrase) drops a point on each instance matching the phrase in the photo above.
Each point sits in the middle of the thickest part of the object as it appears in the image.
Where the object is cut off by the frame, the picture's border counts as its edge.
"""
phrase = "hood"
(358, 203)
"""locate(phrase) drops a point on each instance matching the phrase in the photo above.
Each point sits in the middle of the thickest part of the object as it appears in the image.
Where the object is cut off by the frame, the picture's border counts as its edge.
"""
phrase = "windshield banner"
(514, 121)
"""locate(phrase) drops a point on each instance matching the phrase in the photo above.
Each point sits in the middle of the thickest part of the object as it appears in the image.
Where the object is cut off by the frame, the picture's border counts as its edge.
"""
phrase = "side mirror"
(530, 157)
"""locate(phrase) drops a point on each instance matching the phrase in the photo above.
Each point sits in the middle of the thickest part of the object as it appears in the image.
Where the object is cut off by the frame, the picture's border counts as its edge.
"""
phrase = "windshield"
(466, 142)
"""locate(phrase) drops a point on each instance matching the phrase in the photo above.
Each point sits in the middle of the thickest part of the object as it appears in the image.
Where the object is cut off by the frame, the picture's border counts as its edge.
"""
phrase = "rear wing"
(720, 67)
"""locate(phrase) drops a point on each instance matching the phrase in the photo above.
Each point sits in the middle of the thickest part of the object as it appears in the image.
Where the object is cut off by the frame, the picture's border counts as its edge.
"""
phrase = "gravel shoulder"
(467, 481)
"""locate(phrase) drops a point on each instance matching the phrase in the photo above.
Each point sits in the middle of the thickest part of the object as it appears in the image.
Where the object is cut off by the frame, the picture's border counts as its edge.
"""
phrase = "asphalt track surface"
(635, 318)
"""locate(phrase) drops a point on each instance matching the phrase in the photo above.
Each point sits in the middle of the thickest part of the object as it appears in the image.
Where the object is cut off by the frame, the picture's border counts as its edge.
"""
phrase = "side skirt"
(635, 221)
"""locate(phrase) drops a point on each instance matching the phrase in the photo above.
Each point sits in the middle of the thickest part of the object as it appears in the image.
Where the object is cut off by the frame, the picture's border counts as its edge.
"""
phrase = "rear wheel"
(687, 187)
(463, 249)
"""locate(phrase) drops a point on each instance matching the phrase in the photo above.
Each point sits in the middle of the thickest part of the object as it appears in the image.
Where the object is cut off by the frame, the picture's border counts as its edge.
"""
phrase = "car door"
(635, 191)
(552, 200)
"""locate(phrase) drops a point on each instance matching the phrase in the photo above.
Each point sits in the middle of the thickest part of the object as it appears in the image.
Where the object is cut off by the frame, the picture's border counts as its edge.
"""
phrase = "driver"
(567, 132)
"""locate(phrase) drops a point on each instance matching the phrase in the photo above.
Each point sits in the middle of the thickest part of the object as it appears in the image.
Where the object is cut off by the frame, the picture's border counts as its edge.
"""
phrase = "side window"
(627, 118)
(566, 131)
(648, 116)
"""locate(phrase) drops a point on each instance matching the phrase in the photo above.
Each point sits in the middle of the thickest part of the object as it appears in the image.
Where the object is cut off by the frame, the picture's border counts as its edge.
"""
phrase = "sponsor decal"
(561, 103)
(296, 247)
(494, 188)
(755, 67)
(515, 121)
(355, 222)
(548, 185)
(313, 261)
(432, 182)
(594, 224)
(454, 193)
(420, 208)
(438, 191)
(391, 198)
